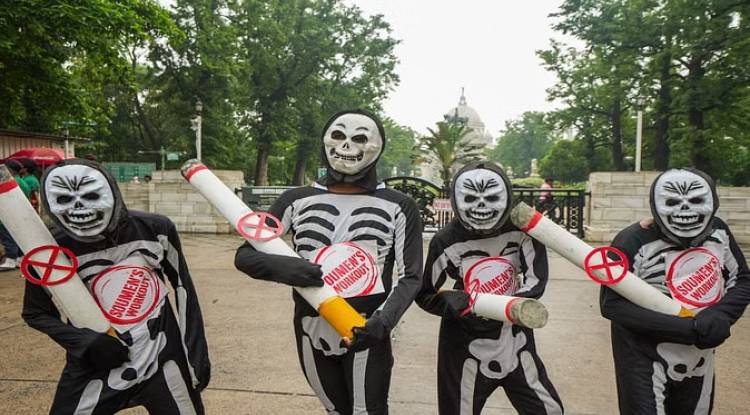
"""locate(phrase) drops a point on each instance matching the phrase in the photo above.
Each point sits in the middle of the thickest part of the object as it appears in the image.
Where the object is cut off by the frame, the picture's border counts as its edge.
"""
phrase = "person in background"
(147, 178)
(546, 195)
(29, 174)
(135, 180)
(12, 251)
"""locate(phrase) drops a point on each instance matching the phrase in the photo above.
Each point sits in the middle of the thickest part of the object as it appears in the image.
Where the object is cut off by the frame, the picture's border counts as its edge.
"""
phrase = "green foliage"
(398, 154)
(565, 162)
(524, 139)
(128, 73)
(55, 59)
(689, 61)
(446, 146)
(534, 182)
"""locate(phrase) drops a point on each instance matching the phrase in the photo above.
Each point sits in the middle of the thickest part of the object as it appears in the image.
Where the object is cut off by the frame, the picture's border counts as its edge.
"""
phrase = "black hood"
(119, 213)
(664, 230)
(485, 165)
(367, 178)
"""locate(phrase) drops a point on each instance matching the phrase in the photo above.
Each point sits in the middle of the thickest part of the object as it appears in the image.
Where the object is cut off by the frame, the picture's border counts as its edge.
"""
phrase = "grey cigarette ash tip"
(5, 174)
(529, 313)
(189, 165)
(521, 214)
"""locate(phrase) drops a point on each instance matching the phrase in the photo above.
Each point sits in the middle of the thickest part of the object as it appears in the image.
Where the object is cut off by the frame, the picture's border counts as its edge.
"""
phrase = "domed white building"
(478, 135)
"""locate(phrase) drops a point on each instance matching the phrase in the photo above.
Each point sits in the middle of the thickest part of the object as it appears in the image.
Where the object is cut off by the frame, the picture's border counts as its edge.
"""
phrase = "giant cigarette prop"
(526, 312)
(577, 251)
(71, 297)
(330, 305)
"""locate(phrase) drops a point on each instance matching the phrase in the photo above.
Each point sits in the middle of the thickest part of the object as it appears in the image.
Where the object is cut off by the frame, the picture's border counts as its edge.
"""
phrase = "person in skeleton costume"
(481, 250)
(158, 360)
(665, 364)
(347, 211)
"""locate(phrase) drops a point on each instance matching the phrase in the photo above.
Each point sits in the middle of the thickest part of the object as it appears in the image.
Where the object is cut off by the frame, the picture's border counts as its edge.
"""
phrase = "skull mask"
(352, 142)
(481, 199)
(683, 202)
(81, 199)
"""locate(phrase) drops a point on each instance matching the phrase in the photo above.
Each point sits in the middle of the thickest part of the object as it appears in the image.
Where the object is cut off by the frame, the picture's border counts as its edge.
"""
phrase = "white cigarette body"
(72, 298)
(234, 209)
(526, 312)
(575, 250)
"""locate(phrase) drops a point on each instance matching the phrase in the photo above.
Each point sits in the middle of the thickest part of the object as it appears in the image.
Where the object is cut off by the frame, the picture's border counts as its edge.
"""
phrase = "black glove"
(373, 333)
(287, 270)
(457, 303)
(105, 352)
(711, 328)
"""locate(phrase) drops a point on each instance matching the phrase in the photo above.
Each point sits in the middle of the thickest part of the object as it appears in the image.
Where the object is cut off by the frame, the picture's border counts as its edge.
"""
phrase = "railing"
(565, 206)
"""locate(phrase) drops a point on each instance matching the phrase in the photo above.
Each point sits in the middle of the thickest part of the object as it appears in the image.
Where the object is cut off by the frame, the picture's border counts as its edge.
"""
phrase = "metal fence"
(563, 206)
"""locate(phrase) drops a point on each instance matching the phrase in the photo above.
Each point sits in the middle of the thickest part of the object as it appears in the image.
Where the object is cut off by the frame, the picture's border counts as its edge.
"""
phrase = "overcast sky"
(487, 46)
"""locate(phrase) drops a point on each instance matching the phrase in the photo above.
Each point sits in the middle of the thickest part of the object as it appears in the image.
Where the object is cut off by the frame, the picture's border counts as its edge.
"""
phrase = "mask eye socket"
(672, 202)
(91, 196)
(492, 198)
(697, 200)
(338, 135)
(470, 199)
(64, 199)
(360, 139)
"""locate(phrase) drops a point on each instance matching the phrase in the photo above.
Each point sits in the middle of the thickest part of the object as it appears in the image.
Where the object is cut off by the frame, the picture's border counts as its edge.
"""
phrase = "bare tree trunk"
(261, 165)
(663, 108)
(616, 120)
(698, 156)
(299, 170)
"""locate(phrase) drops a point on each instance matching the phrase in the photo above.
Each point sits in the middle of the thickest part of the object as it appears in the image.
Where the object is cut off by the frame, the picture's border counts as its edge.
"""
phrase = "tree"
(446, 146)
(44, 49)
(398, 156)
(566, 162)
(292, 53)
(524, 139)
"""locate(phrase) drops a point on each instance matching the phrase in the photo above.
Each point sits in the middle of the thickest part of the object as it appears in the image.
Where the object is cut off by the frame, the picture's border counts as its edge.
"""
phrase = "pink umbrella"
(42, 156)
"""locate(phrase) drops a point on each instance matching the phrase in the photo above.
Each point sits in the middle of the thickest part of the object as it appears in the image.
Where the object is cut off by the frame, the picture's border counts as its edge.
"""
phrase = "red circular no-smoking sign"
(349, 269)
(53, 268)
(695, 278)
(253, 226)
(127, 294)
(598, 264)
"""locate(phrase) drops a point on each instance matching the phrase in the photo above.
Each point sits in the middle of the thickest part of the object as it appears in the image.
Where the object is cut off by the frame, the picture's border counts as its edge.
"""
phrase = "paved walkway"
(255, 371)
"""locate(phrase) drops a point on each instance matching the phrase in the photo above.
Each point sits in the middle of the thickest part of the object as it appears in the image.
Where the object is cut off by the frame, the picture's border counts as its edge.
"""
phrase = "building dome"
(465, 113)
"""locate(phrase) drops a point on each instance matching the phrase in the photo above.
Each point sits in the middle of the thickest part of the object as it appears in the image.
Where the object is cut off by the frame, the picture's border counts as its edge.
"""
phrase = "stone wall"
(620, 198)
(170, 195)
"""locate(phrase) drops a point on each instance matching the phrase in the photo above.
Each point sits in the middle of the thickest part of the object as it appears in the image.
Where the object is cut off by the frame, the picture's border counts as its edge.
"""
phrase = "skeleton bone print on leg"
(685, 361)
(498, 357)
(352, 143)
(481, 198)
(81, 199)
(684, 202)
(322, 336)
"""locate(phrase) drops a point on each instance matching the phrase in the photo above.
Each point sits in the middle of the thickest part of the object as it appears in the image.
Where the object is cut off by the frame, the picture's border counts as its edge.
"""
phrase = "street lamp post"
(639, 134)
(197, 124)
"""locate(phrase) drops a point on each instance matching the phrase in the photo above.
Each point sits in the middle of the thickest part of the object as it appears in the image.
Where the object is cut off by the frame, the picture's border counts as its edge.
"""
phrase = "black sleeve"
(436, 270)
(407, 279)
(661, 327)
(248, 259)
(534, 268)
(189, 315)
(737, 279)
(40, 313)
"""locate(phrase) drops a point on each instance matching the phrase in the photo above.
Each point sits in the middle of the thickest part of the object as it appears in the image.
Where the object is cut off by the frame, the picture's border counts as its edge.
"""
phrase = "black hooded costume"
(160, 360)
(665, 364)
(476, 355)
(386, 223)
